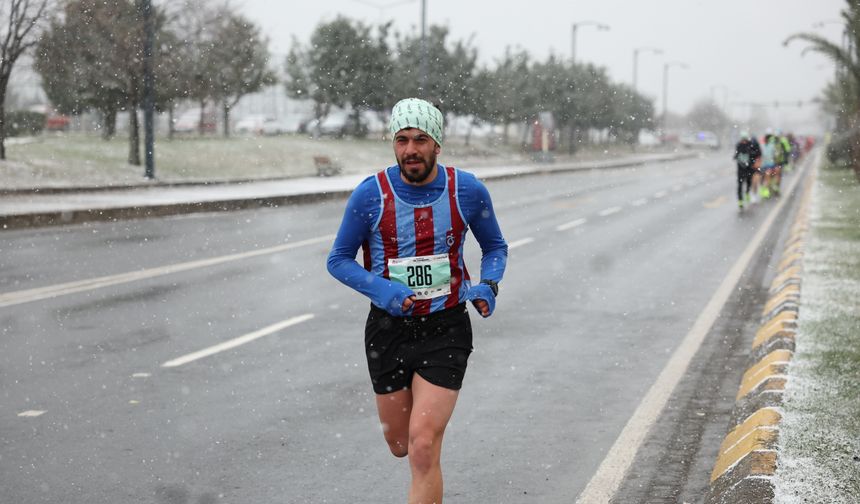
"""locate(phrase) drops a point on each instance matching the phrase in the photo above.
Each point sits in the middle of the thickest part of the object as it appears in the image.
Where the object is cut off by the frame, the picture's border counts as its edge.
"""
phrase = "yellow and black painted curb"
(748, 456)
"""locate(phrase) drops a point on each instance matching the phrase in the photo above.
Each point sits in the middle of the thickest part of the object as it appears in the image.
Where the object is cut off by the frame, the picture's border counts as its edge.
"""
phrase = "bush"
(844, 150)
(24, 123)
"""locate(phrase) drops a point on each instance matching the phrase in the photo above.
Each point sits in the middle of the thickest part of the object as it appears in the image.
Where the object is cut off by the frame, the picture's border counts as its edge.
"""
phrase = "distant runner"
(768, 164)
(411, 220)
(746, 154)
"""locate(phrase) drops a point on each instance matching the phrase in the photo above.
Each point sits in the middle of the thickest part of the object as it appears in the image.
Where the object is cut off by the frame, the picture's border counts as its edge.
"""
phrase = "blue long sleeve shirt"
(363, 211)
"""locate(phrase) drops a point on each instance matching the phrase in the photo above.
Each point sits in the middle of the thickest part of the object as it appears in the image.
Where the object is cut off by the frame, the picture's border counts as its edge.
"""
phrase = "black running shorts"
(435, 346)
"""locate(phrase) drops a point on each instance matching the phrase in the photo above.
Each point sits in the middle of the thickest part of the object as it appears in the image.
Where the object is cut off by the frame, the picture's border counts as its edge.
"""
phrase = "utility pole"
(423, 81)
(666, 88)
(600, 26)
(636, 52)
(148, 89)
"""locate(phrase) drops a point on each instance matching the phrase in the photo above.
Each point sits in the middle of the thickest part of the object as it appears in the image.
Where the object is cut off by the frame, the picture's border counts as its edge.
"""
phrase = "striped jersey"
(413, 237)
(405, 230)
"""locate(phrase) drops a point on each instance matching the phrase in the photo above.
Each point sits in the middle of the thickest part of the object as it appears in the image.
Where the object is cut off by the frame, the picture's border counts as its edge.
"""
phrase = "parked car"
(252, 124)
(57, 122)
(701, 139)
(275, 127)
(189, 122)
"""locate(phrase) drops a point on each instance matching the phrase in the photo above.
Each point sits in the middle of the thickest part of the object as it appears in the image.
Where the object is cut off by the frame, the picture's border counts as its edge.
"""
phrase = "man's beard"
(422, 175)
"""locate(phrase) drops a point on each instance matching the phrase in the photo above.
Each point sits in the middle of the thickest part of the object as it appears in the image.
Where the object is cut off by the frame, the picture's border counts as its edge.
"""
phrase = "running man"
(411, 221)
(745, 156)
(768, 164)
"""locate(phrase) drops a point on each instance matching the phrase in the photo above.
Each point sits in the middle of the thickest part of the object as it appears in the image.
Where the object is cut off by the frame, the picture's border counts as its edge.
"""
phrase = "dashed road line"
(51, 291)
(235, 342)
(660, 194)
(520, 243)
(570, 225)
(32, 413)
(639, 202)
(716, 202)
(609, 211)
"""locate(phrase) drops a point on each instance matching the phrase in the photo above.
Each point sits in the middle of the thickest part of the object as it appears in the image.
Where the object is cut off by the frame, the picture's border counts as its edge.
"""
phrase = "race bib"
(428, 276)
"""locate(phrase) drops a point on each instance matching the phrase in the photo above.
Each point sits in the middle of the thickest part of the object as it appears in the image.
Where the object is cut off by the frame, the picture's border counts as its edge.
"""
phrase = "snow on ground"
(820, 439)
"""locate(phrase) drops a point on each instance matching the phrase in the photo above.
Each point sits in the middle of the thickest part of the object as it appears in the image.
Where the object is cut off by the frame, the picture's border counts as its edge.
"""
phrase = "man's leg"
(756, 178)
(394, 410)
(777, 178)
(431, 409)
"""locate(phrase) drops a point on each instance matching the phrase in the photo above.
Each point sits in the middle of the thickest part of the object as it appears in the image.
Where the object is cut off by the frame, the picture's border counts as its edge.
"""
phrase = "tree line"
(355, 66)
(89, 54)
(90, 58)
(841, 97)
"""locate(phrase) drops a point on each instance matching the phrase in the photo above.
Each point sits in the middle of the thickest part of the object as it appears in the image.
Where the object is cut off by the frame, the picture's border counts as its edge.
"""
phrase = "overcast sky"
(729, 44)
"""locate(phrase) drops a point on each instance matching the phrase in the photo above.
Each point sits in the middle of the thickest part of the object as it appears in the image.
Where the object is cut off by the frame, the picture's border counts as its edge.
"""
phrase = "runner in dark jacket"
(746, 154)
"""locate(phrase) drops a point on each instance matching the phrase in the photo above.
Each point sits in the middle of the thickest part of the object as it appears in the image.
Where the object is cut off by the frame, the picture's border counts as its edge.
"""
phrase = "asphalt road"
(608, 270)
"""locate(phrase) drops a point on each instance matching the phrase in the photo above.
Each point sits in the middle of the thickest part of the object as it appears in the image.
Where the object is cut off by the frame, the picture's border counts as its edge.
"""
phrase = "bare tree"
(19, 21)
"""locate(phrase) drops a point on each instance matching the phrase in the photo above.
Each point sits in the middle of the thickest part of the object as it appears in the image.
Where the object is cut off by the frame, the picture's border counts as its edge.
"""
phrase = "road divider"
(749, 454)
(235, 342)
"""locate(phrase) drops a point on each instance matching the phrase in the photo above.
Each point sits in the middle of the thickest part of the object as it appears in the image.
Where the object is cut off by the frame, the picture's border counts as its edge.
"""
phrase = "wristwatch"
(494, 286)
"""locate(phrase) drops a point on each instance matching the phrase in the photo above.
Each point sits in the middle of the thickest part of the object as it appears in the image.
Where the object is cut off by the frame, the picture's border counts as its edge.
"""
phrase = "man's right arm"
(362, 212)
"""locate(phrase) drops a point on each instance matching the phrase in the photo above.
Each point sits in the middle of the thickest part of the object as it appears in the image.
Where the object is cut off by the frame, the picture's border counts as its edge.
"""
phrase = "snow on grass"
(87, 160)
(820, 438)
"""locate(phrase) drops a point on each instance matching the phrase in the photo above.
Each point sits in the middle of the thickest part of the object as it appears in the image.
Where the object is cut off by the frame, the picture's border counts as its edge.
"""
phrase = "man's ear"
(438, 148)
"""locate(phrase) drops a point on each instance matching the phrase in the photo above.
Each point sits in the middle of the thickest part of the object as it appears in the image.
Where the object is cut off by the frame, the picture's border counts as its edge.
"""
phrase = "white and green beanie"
(417, 113)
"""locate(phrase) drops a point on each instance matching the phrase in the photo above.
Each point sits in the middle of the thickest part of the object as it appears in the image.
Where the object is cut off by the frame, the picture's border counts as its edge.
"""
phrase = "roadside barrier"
(748, 456)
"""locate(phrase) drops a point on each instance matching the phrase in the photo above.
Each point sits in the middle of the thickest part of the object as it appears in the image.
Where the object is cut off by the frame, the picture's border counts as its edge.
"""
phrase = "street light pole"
(636, 52)
(148, 89)
(423, 82)
(725, 95)
(600, 26)
(666, 88)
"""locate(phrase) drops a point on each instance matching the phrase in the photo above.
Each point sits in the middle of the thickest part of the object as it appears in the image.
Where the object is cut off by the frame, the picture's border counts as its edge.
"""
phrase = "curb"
(146, 184)
(113, 214)
(66, 217)
(749, 454)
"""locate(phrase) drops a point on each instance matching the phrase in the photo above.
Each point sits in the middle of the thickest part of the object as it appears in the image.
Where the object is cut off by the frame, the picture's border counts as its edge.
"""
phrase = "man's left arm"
(494, 250)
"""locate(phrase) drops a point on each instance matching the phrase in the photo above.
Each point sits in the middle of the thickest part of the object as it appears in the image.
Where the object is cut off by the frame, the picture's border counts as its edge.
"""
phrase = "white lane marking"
(605, 482)
(570, 225)
(520, 243)
(141, 375)
(31, 413)
(241, 340)
(609, 211)
(639, 202)
(660, 194)
(29, 295)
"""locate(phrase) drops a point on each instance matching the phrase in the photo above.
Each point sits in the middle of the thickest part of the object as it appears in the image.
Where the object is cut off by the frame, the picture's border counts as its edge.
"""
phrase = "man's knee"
(424, 451)
(398, 446)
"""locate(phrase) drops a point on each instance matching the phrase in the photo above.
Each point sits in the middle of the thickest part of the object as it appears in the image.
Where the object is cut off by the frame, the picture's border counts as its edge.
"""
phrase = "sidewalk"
(24, 209)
